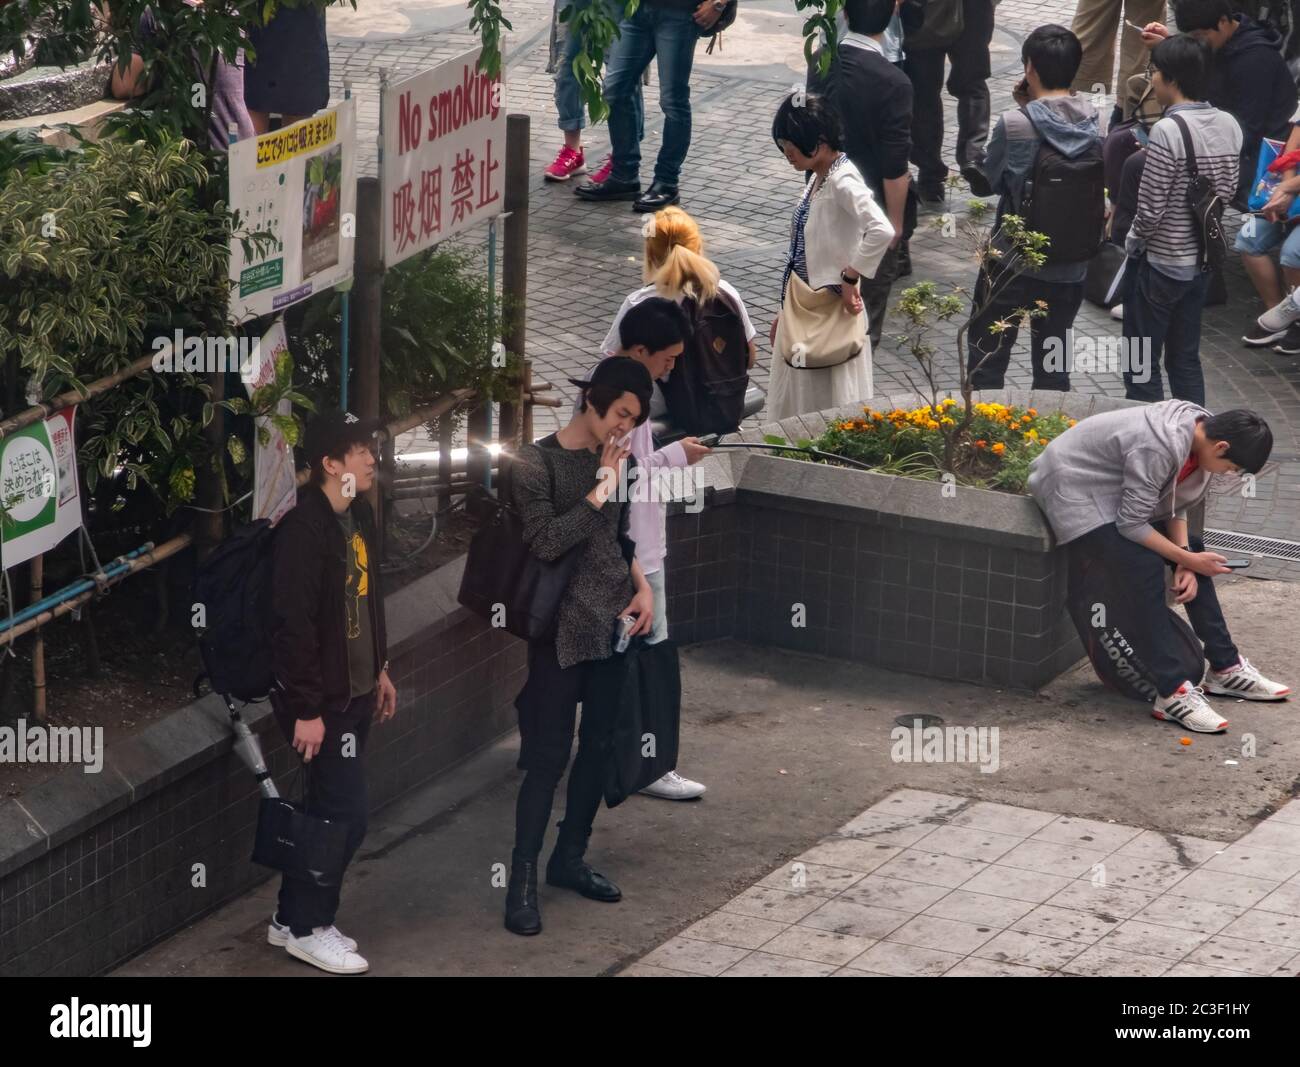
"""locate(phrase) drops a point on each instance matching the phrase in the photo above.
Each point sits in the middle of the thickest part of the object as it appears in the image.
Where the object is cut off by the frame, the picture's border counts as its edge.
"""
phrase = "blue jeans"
(1165, 314)
(671, 36)
(568, 100)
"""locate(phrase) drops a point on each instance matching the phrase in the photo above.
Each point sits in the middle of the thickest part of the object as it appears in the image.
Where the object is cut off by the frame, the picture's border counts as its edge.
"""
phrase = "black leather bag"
(1103, 285)
(502, 575)
(641, 691)
(943, 23)
(300, 845)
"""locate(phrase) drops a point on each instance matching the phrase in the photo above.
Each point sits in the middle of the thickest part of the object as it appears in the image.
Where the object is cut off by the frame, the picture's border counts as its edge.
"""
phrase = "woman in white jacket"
(839, 234)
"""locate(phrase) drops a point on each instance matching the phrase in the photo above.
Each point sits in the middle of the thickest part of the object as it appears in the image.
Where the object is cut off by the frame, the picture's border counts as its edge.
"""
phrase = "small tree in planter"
(1003, 254)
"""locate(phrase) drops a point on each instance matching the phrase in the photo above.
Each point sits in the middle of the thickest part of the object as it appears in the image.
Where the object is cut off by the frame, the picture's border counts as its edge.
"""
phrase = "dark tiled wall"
(96, 899)
(901, 599)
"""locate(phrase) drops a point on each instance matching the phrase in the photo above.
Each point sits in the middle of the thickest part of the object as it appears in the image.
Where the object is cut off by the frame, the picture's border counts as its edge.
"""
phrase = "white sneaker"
(1188, 707)
(277, 934)
(1245, 681)
(325, 948)
(1117, 312)
(1280, 317)
(672, 786)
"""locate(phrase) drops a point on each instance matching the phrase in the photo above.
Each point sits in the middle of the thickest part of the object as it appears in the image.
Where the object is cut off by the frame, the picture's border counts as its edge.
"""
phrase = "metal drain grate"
(1270, 547)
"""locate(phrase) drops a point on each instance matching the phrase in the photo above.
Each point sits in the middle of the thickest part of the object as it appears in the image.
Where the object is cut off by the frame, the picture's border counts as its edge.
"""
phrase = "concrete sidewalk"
(791, 747)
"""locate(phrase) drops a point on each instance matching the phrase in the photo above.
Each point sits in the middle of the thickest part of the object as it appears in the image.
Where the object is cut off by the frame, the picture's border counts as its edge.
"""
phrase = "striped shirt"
(1163, 226)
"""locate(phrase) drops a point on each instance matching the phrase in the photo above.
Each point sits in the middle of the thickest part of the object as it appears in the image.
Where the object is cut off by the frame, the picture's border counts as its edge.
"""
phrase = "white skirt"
(795, 390)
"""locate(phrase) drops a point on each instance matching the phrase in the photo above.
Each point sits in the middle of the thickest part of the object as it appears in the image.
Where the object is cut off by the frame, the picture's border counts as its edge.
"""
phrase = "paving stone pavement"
(926, 884)
(585, 258)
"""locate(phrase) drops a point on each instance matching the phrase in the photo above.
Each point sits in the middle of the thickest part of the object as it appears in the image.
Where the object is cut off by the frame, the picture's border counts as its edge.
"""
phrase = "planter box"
(911, 575)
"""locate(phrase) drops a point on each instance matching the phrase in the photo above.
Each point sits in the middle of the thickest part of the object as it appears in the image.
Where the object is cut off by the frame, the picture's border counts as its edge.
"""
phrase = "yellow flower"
(931, 425)
(1073, 422)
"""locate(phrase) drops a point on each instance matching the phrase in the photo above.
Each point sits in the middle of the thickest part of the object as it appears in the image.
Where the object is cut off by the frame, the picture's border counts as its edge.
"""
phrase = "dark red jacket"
(309, 644)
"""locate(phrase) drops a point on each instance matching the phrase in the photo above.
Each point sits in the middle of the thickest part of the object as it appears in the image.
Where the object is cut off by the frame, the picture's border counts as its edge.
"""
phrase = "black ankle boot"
(566, 869)
(523, 916)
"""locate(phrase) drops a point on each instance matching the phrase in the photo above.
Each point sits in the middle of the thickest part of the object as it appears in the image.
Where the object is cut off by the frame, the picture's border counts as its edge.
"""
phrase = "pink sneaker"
(602, 172)
(566, 164)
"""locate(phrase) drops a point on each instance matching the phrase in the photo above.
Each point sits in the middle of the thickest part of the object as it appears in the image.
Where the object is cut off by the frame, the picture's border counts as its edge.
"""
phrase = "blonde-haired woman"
(676, 267)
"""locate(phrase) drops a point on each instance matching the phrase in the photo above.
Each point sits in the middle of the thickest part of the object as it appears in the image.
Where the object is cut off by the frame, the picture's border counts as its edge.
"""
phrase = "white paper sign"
(39, 491)
(444, 155)
(275, 484)
(298, 184)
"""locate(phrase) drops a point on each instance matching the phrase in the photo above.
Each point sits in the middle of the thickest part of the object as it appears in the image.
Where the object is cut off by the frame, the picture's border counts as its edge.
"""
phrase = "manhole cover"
(922, 721)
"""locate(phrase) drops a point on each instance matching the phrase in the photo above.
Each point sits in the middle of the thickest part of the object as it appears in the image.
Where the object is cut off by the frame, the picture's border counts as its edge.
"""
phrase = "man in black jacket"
(329, 650)
(874, 100)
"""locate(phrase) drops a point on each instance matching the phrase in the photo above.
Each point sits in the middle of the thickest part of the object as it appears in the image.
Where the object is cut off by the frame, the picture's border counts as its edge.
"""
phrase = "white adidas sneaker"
(1244, 681)
(325, 948)
(277, 934)
(1188, 707)
(1281, 316)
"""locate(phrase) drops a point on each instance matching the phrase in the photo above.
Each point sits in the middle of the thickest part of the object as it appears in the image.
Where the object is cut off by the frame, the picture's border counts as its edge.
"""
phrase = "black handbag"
(642, 691)
(502, 575)
(300, 845)
(1103, 285)
(943, 24)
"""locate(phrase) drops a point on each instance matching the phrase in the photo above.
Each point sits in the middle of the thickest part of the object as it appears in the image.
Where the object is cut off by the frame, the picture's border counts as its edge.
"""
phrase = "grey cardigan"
(1121, 467)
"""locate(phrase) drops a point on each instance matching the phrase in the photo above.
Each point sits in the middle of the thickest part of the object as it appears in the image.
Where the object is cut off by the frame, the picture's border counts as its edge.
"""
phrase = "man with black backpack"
(1177, 238)
(329, 651)
(1044, 159)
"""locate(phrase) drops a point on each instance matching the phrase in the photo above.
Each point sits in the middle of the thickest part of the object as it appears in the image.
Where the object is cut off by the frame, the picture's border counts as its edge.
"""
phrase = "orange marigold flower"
(998, 449)
(1033, 414)
(981, 443)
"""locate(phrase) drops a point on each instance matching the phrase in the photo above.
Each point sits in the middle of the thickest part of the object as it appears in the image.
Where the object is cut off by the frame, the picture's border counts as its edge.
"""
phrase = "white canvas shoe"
(672, 786)
(1188, 707)
(325, 948)
(277, 934)
(1244, 681)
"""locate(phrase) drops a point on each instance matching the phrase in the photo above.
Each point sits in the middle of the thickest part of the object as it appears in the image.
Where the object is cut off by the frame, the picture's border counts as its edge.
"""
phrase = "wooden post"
(514, 267)
(367, 303)
(38, 646)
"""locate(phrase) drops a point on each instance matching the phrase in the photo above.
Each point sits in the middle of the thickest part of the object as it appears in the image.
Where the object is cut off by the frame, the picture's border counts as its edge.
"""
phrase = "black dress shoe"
(576, 875)
(656, 198)
(523, 916)
(609, 189)
(977, 180)
(904, 260)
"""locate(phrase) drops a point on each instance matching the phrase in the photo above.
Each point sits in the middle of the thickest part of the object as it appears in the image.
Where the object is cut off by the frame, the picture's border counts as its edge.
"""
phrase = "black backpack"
(705, 393)
(1065, 198)
(1116, 649)
(1206, 206)
(234, 587)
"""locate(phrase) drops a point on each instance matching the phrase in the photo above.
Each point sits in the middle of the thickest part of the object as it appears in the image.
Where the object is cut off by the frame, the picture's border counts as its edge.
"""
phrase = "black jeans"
(875, 294)
(548, 707)
(1143, 572)
(1162, 315)
(968, 82)
(336, 789)
(1048, 334)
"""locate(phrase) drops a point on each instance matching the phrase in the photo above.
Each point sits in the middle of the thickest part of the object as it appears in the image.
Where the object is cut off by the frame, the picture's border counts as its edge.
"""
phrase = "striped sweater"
(1163, 226)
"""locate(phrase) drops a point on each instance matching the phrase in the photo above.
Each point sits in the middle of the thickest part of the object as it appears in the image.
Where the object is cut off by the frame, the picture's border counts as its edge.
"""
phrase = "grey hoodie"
(1068, 124)
(1121, 467)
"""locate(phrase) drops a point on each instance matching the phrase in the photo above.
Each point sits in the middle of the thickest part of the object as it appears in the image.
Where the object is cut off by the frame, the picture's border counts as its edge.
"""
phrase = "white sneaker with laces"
(1244, 681)
(1281, 316)
(672, 786)
(326, 948)
(277, 934)
(1188, 707)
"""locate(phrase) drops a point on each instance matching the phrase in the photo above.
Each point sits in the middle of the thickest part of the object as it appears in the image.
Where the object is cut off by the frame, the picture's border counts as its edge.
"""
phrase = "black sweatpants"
(336, 789)
(548, 708)
(1143, 572)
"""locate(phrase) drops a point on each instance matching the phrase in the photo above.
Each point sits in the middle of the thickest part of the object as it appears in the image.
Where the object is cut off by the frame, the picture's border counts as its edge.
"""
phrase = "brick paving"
(742, 192)
(926, 884)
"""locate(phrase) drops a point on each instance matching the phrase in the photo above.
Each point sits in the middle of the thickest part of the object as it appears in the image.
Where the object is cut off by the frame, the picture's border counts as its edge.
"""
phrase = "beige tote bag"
(814, 331)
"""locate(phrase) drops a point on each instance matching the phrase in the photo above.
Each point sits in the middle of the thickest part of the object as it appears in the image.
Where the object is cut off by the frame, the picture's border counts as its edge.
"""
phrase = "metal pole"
(369, 288)
(514, 267)
(345, 308)
(492, 332)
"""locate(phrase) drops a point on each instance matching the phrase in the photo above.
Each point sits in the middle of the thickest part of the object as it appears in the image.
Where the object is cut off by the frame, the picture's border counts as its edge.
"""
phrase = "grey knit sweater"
(557, 519)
